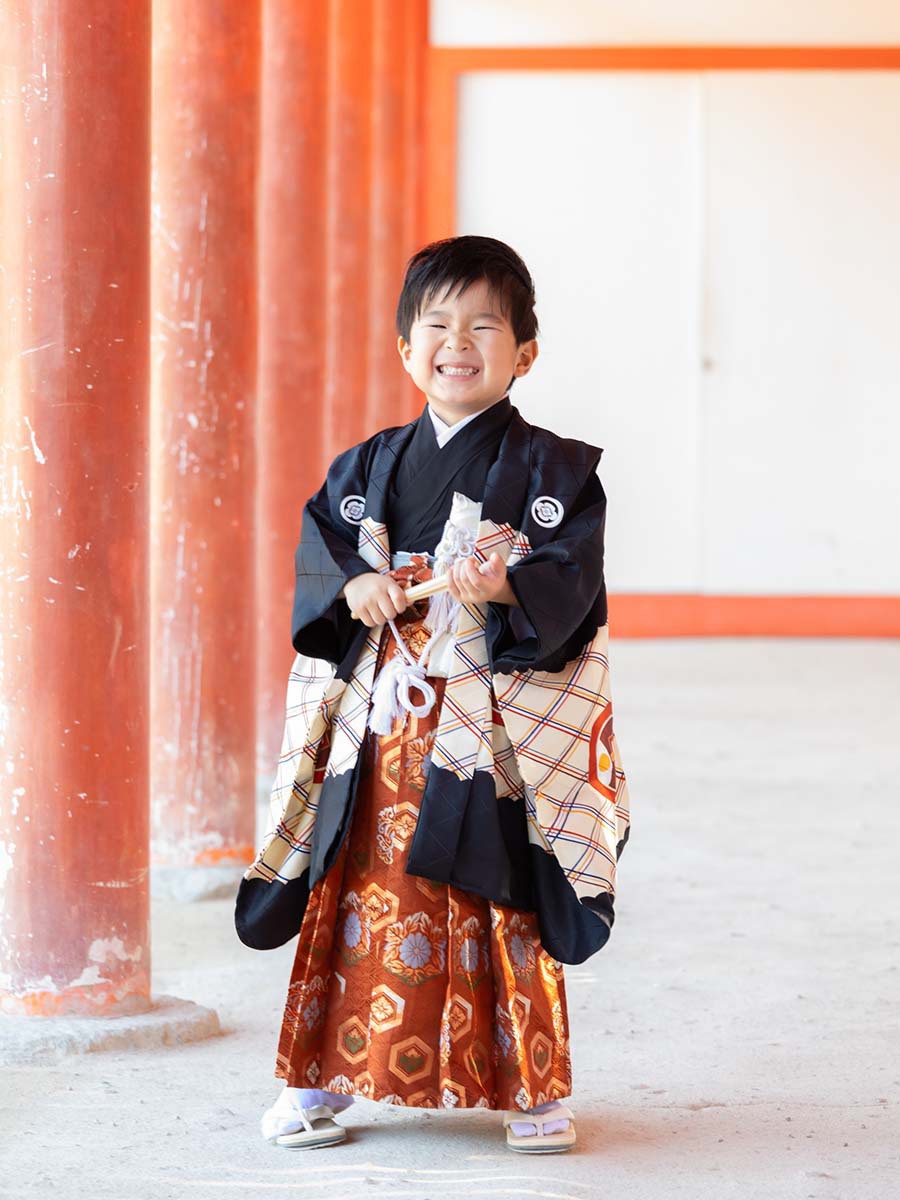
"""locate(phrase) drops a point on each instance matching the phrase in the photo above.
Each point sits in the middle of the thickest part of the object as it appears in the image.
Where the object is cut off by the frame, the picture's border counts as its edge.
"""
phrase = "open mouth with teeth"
(457, 372)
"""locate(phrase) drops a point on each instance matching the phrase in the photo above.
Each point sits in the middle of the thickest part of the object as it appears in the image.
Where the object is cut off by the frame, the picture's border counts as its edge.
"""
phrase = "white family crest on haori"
(547, 511)
(553, 744)
(352, 509)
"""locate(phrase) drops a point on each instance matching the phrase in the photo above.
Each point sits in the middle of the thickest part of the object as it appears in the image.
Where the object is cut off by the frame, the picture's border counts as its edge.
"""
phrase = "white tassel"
(391, 696)
(443, 610)
(456, 543)
(391, 691)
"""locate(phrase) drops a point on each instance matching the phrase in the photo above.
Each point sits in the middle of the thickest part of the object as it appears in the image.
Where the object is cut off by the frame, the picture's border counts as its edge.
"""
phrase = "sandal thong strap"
(561, 1113)
(316, 1113)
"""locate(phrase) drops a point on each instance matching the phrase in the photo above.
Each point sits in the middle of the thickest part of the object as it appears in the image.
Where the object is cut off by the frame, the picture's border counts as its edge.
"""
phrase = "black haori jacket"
(525, 801)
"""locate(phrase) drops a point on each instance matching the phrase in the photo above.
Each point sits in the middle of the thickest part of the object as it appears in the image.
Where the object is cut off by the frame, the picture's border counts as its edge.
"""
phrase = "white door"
(717, 261)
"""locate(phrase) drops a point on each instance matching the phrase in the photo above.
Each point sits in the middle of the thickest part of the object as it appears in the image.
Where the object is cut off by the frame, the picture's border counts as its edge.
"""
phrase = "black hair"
(457, 262)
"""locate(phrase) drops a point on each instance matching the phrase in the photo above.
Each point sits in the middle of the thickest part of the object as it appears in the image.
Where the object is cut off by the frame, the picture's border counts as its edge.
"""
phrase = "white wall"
(801, 465)
(717, 263)
(616, 22)
(577, 192)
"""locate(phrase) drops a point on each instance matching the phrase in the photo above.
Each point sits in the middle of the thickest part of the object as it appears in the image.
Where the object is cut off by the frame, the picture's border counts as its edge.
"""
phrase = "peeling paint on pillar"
(100, 988)
(206, 66)
(74, 616)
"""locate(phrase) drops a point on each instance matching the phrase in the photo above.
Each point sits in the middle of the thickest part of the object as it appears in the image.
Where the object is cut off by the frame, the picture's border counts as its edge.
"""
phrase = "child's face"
(469, 331)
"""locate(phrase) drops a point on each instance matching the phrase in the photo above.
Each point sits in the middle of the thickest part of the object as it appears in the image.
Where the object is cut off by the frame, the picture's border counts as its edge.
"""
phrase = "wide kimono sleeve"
(561, 592)
(326, 558)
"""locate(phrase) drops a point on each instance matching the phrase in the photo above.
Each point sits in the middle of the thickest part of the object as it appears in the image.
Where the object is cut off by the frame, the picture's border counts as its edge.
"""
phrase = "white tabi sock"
(284, 1115)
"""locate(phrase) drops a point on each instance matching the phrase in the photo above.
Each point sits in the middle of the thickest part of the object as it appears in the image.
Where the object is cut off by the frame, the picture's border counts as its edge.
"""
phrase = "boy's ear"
(405, 350)
(527, 353)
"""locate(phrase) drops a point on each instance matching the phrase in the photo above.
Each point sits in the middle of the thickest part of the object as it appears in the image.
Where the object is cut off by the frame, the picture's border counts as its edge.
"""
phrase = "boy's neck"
(450, 414)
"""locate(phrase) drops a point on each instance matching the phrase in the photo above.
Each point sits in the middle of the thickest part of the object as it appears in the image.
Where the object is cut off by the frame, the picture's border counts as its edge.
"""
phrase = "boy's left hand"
(477, 583)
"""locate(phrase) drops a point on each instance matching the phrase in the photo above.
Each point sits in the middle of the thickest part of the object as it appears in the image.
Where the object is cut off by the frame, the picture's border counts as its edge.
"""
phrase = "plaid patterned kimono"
(526, 801)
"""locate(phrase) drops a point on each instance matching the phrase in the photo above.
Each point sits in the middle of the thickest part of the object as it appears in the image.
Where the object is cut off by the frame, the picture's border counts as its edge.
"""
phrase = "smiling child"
(449, 806)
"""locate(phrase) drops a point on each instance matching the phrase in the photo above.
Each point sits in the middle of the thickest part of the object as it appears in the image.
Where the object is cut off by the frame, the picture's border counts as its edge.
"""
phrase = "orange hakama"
(408, 990)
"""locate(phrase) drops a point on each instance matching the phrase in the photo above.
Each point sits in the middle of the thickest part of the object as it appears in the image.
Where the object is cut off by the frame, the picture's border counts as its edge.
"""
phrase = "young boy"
(449, 806)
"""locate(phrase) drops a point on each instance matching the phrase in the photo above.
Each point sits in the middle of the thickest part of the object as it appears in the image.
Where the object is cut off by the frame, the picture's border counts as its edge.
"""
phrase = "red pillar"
(205, 112)
(348, 190)
(340, 209)
(399, 45)
(74, 646)
(292, 206)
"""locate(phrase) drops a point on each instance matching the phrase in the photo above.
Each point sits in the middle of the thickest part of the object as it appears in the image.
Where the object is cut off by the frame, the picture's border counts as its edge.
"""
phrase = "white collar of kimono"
(443, 431)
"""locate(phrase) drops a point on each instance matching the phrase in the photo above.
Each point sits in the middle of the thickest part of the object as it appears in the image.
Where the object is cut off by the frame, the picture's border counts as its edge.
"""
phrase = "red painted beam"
(650, 615)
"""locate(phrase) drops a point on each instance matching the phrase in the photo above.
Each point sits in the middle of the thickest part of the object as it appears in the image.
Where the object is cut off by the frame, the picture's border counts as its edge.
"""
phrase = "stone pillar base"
(43, 1040)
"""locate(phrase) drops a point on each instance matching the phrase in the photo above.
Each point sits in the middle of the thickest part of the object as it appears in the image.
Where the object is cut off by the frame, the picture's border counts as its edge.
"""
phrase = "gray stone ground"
(738, 1037)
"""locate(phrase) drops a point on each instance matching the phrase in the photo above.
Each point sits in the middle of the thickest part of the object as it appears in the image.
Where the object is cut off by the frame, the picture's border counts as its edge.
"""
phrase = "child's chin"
(457, 391)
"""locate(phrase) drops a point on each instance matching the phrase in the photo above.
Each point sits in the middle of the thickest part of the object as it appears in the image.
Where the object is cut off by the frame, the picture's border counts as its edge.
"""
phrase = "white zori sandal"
(288, 1124)
(320, 1129)
(540, 1142)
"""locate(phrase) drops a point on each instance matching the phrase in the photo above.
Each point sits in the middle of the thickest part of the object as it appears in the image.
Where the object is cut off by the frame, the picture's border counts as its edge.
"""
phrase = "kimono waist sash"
(403, 558)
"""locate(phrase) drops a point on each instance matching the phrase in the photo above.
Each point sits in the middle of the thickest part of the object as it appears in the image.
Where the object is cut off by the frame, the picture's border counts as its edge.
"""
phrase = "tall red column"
(396, 202)
(292, 207)
(74, 645)
(205, 116)
(340, 212)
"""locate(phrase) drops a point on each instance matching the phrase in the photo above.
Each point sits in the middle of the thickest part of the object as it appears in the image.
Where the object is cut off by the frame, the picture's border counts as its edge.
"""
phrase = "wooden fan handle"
(420, 590)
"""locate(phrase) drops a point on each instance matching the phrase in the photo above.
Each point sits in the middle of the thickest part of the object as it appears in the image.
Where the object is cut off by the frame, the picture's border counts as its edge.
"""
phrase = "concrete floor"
(738, 1037)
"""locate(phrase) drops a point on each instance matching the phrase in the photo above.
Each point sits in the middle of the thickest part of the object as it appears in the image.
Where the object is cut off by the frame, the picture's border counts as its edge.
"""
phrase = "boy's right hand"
(375, 598)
